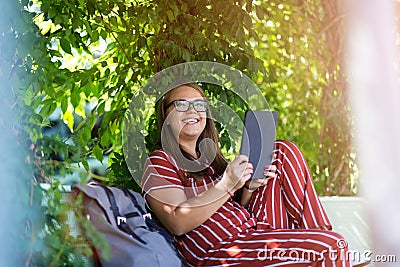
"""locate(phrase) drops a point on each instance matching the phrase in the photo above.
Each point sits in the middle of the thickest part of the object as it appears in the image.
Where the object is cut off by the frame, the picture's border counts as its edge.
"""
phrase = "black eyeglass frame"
(205, 103)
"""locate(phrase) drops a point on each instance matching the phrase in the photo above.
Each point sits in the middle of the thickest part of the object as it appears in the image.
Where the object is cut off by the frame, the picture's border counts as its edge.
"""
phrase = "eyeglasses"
(183, 105)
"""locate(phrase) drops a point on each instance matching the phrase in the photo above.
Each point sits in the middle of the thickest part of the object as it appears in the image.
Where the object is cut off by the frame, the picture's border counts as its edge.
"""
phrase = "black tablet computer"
(258, 139)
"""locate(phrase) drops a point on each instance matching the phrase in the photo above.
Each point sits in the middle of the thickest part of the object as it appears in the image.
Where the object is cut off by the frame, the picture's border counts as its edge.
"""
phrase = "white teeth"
(191, 121)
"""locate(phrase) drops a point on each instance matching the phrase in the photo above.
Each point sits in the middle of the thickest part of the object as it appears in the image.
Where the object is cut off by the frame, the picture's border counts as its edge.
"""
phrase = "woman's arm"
(180, 215)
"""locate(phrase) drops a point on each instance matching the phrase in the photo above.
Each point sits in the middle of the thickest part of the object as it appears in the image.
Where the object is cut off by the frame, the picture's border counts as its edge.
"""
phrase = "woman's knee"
(285, 144)
(287, 148)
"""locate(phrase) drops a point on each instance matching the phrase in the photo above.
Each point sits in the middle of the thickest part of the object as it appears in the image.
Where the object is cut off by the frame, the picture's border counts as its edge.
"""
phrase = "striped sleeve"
(160, 171)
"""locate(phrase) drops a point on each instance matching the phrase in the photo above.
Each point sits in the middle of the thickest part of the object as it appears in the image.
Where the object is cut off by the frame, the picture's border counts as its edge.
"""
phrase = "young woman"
(276, 220)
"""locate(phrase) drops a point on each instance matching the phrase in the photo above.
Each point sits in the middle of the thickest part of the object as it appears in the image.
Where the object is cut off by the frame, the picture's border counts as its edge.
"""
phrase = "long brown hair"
(184, 160)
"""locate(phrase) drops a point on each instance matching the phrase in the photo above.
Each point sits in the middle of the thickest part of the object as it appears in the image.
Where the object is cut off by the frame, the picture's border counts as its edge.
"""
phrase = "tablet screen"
(258, 139)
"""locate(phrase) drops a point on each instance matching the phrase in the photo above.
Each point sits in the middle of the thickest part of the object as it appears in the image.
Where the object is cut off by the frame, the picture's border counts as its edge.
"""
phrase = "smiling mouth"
(191, 121)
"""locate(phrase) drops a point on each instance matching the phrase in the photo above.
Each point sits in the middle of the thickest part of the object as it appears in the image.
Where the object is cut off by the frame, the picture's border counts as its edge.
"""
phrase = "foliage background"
(87, 59)
(99, 53)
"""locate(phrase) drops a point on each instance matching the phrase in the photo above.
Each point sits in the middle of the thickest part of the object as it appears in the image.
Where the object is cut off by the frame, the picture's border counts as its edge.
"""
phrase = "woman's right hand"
(237, 173)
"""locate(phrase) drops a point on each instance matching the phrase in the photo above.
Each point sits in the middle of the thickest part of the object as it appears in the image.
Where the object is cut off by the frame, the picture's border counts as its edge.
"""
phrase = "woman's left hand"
(270, 173)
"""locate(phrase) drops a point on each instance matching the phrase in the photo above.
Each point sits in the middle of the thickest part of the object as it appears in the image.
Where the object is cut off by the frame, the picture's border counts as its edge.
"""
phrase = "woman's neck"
(189, 147)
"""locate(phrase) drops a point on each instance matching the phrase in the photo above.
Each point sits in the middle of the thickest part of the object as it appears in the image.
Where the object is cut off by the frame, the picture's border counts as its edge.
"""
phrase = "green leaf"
(103, 34)
(64, 104)
(98, 153)
(186, 55)
(48, 108)
(65, 45)
(170, 15)
(113, 21)
(69, 117)
(85, 164)
(95, 36)
(75, 98)
(105, 139)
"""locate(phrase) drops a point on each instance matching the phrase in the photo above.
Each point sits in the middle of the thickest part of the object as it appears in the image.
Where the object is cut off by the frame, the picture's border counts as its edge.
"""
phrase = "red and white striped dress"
(277, 228)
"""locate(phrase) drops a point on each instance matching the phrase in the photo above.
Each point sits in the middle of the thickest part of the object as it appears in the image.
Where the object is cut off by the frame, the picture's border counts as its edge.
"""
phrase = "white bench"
(348, 217)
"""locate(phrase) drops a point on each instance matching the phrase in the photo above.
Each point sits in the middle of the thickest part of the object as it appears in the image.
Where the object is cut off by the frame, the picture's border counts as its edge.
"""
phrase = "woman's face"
(188, 125)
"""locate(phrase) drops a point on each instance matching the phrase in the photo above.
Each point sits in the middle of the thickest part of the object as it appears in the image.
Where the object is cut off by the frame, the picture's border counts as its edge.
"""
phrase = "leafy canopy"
(88, 58)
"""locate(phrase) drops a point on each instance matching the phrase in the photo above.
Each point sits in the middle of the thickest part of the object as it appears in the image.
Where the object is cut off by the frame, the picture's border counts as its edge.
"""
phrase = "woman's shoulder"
(160, 155)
